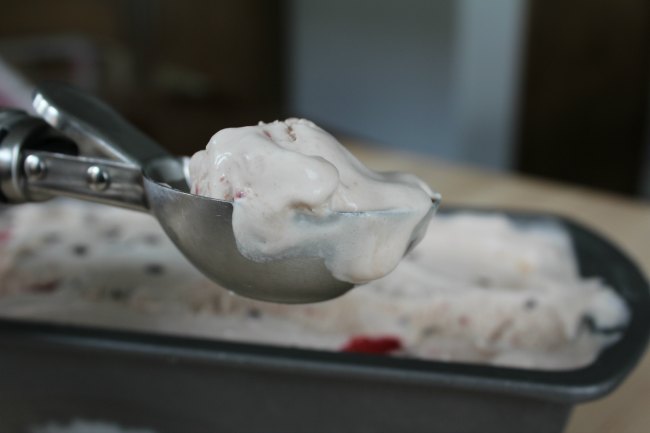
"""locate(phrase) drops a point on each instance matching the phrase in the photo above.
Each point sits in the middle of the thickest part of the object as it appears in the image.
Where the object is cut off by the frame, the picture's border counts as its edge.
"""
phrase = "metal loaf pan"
(171, 384)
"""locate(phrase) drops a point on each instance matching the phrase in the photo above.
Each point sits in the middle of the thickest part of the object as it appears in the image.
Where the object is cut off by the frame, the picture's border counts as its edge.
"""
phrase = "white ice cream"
(298, 192)
(478, 288)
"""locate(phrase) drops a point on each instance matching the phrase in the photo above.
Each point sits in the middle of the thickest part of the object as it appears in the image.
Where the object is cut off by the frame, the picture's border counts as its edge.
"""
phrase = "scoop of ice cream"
(298, 192)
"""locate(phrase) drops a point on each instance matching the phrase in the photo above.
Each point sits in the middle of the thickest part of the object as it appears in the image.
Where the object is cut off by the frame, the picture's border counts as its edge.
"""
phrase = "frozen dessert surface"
(478, 288)
(296, 191)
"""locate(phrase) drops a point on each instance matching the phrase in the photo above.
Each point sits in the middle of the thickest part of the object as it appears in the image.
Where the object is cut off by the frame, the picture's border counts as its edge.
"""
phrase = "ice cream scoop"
(297, 191)
(116, 164)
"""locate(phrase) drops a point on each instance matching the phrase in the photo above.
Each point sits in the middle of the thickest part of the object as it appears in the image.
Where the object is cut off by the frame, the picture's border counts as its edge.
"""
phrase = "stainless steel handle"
(91, 179)
(20, 134)
(97, 168)
(97, 129)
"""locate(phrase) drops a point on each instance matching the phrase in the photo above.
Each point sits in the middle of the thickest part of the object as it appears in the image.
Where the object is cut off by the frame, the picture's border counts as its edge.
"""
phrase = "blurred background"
(552, 89)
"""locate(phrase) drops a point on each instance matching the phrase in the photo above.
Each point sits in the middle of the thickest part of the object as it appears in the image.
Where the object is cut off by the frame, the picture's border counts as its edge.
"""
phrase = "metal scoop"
(144, 178)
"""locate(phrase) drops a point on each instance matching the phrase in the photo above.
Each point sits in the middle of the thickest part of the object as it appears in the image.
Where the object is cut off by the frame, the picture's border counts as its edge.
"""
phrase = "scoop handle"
(94, 126)
(91, 179)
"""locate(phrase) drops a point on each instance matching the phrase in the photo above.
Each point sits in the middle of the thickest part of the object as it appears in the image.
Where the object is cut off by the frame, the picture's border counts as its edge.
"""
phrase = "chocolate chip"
(118, 293)
(154, 269)
(25, 253)
(112, 232)
(430, 330)
(80, 250)
(51, 238)
(404, 320)
(254, 313)
(530, 304)
(151, 239)
(90, 218)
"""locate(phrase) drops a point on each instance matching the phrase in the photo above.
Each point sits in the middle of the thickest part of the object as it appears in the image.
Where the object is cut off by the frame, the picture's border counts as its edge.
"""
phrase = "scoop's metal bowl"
(201, 228)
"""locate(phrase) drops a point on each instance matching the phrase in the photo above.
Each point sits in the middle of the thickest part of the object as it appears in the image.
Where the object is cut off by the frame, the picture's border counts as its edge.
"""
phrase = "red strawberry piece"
(377, 345)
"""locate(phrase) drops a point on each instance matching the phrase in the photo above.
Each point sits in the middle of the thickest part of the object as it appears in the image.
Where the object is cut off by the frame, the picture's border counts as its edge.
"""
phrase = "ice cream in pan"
(478, 288)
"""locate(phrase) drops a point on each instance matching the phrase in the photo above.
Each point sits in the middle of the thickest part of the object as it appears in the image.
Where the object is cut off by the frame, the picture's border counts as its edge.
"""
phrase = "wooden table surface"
(624, 221)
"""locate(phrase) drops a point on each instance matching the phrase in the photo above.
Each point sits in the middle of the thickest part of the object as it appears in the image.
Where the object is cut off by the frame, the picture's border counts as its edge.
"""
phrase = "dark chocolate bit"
(112, 232)
(154, 269)
(52, 238)
(404, 320)
(530, 304)
(430, 330)
(151, 239)
(25, 253)
(80, 250)
(90, 218)
(118, 293)
(254, 313)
